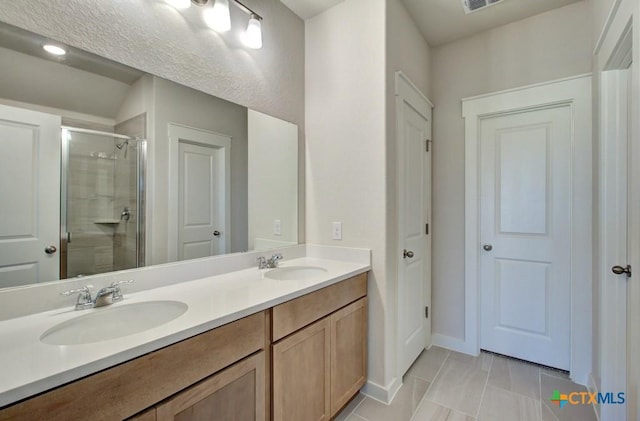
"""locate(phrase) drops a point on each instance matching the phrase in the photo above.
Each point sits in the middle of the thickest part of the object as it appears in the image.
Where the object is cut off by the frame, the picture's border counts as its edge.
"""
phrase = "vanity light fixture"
(54, 49)
(217, 16)
(253, 36)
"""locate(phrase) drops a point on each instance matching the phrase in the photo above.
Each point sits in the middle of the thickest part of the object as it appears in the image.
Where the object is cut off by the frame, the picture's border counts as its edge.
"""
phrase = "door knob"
(216, 233)
(487, 247)
(619, 270)
(50, 249)
(407, 253)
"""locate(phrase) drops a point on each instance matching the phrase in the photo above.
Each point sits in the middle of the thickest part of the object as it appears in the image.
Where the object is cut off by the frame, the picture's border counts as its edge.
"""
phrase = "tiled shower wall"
(102, 182)
(126, 178)
(89, 204)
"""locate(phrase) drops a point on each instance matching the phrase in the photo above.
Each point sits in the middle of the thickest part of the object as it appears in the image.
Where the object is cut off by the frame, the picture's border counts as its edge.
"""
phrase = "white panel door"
(414, 175)
(525, 215)
(30, 196)
(201, 201)
(614, 248)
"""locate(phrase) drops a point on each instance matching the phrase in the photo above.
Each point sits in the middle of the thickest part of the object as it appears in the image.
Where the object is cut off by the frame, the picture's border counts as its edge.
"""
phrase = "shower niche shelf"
(106, 221)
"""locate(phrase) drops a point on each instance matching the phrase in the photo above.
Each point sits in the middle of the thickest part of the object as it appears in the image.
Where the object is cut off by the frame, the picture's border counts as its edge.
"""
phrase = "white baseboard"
(453, 344)
(380, 393)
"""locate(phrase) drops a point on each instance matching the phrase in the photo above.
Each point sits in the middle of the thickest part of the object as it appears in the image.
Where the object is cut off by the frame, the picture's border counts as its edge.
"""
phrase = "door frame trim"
(576, 93)
(619, 42)
(199, 137)
(407, 92)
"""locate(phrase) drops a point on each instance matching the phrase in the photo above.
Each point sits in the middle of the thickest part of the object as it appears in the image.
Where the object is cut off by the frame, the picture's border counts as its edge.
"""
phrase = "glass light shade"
(179, 4)
(253, 36)
(54, 49)
(218, 17)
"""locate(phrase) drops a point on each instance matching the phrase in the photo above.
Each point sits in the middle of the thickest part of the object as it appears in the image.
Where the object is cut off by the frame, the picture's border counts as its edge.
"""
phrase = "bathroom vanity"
(280, 348)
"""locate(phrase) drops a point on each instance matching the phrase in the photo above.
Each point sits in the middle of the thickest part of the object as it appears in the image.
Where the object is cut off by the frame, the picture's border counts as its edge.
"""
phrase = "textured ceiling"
(152, 36)
(443, 21)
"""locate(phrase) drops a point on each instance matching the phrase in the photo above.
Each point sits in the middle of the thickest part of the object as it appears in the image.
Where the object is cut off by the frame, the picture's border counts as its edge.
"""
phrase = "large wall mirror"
(104, 168)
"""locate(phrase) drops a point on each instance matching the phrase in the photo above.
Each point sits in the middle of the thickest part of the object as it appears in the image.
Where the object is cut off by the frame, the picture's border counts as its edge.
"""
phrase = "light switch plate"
(277, 227)
(336, 231)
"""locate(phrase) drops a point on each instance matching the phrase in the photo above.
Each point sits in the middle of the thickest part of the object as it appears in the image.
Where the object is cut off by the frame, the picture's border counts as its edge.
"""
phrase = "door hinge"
(426, 229)
(426, 312)
(427, 141)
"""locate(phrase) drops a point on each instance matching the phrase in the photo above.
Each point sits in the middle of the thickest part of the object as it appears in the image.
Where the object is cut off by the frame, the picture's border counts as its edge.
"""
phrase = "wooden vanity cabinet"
(236, 393)
(301, 374)
(126, 389)
(348, 353)
(318, 368)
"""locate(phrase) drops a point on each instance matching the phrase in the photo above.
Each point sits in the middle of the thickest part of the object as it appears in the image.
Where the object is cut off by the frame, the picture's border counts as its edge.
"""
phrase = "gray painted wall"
(176, 104)
(548, 46)
(34, 80)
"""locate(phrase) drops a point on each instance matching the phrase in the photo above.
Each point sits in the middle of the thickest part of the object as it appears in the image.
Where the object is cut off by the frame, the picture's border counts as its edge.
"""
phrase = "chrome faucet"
(84, 300)
(104, 297)
(270, 263)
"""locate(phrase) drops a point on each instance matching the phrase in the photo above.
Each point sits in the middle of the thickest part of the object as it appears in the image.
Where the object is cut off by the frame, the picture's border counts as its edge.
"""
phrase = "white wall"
(345, 157)
(548, 46)
(139, 99)
(406, 51)
(272, 181)
(352, 53)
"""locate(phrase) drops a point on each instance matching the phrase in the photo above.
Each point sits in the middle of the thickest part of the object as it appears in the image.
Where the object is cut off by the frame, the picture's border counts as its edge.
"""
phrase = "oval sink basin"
(296, 273)
(103, 324)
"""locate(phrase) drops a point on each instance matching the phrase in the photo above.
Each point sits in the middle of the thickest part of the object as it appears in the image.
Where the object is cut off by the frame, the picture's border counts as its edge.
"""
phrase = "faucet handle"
(84, 296)
(117, 294)
(82, 291)
(117, 283)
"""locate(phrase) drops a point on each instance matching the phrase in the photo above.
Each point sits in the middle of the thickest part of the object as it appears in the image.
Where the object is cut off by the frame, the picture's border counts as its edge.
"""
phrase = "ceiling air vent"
(473, 5)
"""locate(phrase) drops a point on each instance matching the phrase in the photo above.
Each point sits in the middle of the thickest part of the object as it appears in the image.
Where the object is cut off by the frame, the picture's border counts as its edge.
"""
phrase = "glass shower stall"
(102, 206)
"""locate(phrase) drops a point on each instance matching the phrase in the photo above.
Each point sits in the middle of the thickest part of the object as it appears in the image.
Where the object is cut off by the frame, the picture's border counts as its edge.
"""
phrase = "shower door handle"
(50, 249)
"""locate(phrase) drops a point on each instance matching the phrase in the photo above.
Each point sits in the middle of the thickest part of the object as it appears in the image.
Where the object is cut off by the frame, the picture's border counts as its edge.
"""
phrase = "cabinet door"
(236, 393)
(348, 353)
(301, 375)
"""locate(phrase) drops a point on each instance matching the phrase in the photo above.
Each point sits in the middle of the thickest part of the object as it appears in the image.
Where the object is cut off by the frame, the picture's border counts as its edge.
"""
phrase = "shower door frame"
(141, 168)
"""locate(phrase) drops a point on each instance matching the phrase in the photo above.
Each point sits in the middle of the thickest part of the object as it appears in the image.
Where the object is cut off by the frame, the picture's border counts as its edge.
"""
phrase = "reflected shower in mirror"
(146, 171)
(102, 216)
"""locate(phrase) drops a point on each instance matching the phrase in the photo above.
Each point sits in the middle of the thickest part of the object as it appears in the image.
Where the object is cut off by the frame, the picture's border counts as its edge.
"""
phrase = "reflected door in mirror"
(30, 196)
(202, 193)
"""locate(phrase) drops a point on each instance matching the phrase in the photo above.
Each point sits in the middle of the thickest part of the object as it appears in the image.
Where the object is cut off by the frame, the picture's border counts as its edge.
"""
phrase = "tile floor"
(448, 386)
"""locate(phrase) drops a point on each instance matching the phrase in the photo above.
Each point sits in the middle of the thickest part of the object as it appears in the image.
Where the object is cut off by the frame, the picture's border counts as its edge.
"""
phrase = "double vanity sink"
(106, 323)
(41, 351)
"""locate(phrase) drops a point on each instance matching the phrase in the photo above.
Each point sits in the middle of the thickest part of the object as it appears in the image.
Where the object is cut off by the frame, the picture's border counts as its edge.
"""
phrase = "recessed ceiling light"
(54, 49)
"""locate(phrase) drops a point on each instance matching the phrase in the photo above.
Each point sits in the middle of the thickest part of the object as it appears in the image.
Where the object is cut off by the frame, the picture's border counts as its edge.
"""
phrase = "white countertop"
(28, 366)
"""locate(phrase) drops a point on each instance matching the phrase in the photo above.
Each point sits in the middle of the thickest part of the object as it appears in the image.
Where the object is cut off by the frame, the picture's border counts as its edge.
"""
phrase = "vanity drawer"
(129, 388)
(300, 312)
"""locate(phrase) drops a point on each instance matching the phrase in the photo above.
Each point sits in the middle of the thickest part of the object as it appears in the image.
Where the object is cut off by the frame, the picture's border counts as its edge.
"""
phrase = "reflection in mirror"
(104, 167)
